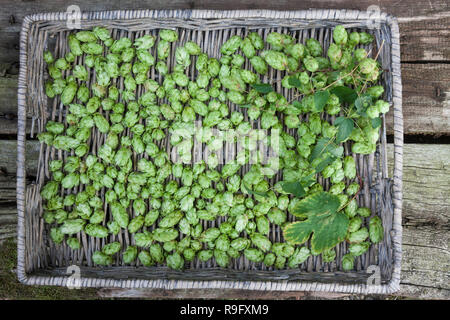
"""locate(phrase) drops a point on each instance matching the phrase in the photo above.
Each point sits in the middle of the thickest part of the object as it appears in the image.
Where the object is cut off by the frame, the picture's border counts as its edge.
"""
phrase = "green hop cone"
(299, 256)
(48, 57)
(143, 239)
(145, 258)
(222, 258)
(72, 226)
(254, 255)
(364, 212)
(69, 92)
(156, 252)
(348, 262)
(329, 255)
(358, 236)
(314, 47)
(129, 255)
(275, 59)
(261, 241)
(111, 248)
(168, 35)
(259, 64)
(56, 235)
(231, 45)
(96, 230)
(376, 230)
(49, 190)
(165, 234)
(311, 64)
(205, 255)
(175, 261)
(145, 42)
(357, 249)
(101, 258)
(136, 223)
(340, 35)
(86, 36)
(73, 243)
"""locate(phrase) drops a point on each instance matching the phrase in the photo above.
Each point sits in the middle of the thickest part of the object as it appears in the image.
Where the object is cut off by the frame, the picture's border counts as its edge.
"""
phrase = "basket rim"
(340, 15)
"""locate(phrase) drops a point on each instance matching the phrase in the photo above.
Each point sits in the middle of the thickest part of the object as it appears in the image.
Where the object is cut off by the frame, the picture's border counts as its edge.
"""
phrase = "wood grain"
(424, 37)
(8, 95)
(426, 185)
(426, 99)
(8, 157)
(431, 15)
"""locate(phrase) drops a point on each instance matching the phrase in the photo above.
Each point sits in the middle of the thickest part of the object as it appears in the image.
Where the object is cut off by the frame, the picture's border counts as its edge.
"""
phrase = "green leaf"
(323, 164)
(328, 226)
(262, 87)
(345, 94)
(344, 129)
(293, 81)
(336, 150)
(298, 232)
(330, 232)
(376, 122)
(320, 99)
(245, 105)
(334, 76)
(339, 120)
(297, 104)
(296, 188)
(318, 204)
(250, 191)
(362, 103)
(326, 145)
(308, 180)
(319, 148)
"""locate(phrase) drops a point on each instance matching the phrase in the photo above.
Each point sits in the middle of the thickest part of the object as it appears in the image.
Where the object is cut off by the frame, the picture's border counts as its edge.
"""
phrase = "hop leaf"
(320, 100)
(262, 87)
(345, 94)
(328, 226)
(345, 128)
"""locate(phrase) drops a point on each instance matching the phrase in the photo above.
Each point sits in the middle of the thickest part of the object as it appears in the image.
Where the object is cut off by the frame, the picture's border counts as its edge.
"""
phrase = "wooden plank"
(8, 95)
(432, 269)
(426, 236)
(406, 8)
(426, 185)
(7, 189)
(425, 24)
(200, 294)
(426, 99)
(8, 125)
(8, 221)
(425, 38)
(8, 156)
(425, 216)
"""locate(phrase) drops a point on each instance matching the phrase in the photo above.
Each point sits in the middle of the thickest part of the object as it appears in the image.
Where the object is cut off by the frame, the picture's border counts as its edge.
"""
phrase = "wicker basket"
(40, 262)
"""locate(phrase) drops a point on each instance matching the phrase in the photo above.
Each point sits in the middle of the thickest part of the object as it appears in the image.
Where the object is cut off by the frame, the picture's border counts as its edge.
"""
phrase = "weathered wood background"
(425, 53)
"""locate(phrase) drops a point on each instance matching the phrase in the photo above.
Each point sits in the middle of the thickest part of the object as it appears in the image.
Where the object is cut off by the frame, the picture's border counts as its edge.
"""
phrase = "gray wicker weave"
(40, 262)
